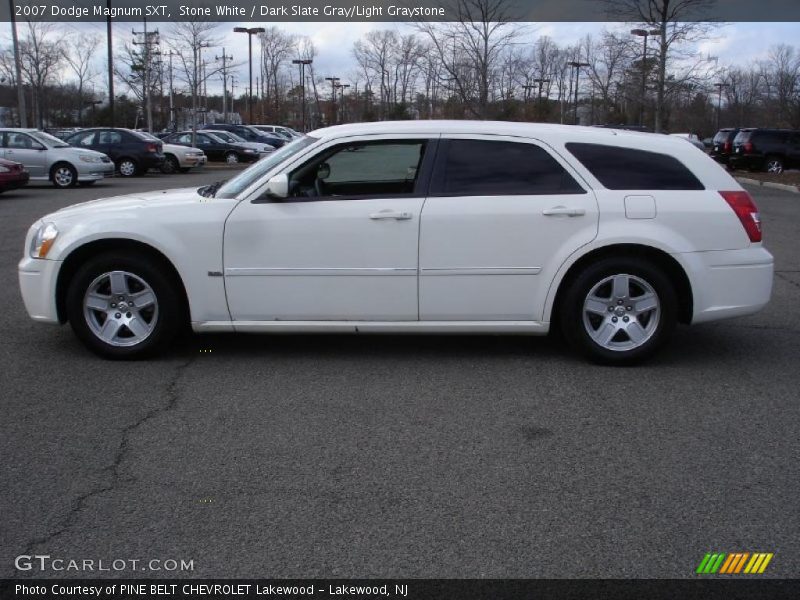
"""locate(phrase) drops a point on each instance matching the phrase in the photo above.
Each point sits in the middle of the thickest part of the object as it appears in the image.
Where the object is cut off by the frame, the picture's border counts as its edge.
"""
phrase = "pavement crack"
(172, 395)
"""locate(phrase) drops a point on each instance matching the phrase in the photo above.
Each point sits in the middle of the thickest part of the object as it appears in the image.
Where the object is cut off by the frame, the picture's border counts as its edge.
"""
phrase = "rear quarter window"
(620, 168)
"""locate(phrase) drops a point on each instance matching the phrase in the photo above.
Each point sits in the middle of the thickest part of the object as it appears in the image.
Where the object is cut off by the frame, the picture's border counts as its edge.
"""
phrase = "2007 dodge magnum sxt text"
(427, 226)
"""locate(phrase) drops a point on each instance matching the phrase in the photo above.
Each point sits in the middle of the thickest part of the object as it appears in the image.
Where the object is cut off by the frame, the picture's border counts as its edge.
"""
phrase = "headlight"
(4, 169)
(43, 240)
(89, 158)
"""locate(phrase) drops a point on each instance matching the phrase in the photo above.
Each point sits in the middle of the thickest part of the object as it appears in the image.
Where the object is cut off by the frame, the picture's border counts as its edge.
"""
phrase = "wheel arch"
(58, 163)
(79, 255)
(673, 269)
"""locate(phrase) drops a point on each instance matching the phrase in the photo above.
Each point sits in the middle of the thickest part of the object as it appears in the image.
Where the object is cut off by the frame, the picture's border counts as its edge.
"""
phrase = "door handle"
(563, 211)
(391, 214)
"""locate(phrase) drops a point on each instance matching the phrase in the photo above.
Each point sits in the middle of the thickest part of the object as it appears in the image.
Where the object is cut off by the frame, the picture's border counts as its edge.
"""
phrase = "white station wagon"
(611, 237)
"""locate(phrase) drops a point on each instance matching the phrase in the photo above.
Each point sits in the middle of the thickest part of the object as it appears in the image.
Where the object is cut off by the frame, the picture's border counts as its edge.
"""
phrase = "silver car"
(48, 158)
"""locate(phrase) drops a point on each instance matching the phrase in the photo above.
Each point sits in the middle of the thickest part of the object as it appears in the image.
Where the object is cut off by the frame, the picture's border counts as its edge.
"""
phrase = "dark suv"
(250, 134)
(722, 144)
(132, 152)
(771, 150)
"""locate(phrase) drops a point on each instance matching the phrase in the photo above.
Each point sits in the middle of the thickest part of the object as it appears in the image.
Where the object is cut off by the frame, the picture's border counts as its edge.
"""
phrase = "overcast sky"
(736, 43)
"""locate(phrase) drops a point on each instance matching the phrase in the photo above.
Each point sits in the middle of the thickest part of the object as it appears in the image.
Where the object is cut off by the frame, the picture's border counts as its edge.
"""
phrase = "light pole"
(541, 83)
(250, 31)
(224, 58)
(720, 87)
(577, 66)
(302, 62)
(342, 87)
(334, 81)
(644, 33)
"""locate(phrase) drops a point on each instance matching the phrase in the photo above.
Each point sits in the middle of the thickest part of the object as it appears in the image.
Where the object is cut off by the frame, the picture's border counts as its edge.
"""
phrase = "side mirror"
(278, 186)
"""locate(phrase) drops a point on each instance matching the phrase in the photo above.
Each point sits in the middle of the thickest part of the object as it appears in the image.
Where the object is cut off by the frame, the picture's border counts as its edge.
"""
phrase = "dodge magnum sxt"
(611, 237)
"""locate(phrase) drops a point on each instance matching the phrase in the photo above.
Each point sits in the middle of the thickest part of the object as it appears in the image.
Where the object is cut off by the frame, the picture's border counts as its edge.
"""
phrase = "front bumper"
(95, 171)
(37, 283)
(729, 283)
(17, 180)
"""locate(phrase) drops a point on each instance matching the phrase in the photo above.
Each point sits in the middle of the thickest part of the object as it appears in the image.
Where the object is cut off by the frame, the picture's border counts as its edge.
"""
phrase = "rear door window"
(500, 168)
(620, 168)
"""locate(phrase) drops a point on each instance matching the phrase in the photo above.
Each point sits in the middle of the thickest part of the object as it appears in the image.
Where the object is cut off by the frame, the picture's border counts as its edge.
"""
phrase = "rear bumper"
(37, 283)
(728, 283)
(752, 161)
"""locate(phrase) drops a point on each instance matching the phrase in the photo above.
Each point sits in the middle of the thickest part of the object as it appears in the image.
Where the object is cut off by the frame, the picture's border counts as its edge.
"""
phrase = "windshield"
(249, 176)
(227, 136)
(49, 140)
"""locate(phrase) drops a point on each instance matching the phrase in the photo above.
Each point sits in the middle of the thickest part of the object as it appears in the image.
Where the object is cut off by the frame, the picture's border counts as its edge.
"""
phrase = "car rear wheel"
(619, 311)
(123, 307)
(231, 158)
(773, 164)
(64, 175)
(127, 167)
(170, 165)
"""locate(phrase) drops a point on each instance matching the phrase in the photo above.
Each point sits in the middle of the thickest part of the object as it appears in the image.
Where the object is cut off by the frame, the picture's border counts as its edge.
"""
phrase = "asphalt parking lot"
(400, 456)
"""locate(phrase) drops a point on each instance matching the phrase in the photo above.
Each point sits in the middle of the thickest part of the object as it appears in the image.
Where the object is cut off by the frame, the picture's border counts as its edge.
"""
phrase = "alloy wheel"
(127, 168)
(120, 308)
(63, 177)
(621, 312)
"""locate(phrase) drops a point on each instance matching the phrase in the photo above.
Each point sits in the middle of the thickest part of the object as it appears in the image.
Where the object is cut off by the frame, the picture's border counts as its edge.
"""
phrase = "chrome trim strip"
(481, 271)
(303, 271)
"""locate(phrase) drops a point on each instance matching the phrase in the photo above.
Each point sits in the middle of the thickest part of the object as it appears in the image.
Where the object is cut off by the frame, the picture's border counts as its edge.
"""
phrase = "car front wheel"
(64, 176)
(123, 307)
(619, 311)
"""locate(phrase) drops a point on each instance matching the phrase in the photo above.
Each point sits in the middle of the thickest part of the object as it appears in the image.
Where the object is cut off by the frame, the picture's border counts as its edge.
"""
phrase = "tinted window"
(630, 169)
(375, 169)
(487, 168)
(723, 136)
(82, 139)
(770, 137)
(109, 137)
(742, 137)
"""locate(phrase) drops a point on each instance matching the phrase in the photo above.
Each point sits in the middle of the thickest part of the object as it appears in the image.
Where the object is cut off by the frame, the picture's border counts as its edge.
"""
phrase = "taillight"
(747, 146)
(728, 146)
(747, 211)
(152, 148)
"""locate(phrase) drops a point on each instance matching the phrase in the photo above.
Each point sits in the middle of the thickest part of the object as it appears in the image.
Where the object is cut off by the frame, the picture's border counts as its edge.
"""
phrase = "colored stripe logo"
(735, 563)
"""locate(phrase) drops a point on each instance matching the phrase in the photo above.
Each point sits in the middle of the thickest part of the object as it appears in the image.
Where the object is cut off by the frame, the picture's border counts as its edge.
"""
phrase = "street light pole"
(302, 62)
(719, 87)
(250, 31)
(334, 81)
(644, 33)
(577, 66)
(21, 108)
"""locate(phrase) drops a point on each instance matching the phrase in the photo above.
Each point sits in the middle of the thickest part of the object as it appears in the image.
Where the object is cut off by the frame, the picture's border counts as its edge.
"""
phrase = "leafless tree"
(678, 22)
(42, 57)
(79, 53)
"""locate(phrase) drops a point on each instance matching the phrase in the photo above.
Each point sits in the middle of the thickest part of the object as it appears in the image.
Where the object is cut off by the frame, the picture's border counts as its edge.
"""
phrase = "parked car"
(215, 148)
(133, 152)
(286, 132)
(250, 134)
(722, 144)
(48, 158)
(416, 226)
(13, 175)
(692, 139)
(179, 158)
(232, 138)
(771, 150)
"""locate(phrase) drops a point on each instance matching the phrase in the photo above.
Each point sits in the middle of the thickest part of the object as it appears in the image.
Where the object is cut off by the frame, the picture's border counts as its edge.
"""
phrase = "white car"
(181, 158)
(416, 226)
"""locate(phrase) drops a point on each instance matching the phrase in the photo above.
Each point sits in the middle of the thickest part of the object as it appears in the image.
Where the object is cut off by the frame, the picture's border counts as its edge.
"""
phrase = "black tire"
(63, 175)
(774, 164)
(128, 167)
(575, 325)
(166, 322)
(170, 165)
